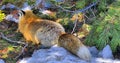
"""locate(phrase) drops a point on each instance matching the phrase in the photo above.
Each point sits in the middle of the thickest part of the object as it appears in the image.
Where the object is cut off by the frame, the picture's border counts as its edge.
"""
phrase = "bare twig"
(65, 9)
(21, 51)
(83, 21)
(86, 16)
(88, 7)
(9, 40)
(92, 12)
(75, 25)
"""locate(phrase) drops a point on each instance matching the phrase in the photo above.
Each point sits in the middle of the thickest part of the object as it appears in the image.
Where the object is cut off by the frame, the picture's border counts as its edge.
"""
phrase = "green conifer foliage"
(106, 28)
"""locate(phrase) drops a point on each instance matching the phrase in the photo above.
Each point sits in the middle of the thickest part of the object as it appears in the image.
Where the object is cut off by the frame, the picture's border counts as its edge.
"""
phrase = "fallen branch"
(9, 40)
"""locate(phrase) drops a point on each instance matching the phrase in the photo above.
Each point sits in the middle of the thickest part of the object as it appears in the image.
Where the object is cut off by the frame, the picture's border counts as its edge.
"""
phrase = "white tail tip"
(84, 53)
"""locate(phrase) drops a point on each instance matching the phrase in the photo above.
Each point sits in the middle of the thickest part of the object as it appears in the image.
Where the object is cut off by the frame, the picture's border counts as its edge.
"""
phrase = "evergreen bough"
(106, 28)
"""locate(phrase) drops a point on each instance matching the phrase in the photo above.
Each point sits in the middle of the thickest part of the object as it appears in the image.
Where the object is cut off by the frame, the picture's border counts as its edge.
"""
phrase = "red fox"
(49, 33)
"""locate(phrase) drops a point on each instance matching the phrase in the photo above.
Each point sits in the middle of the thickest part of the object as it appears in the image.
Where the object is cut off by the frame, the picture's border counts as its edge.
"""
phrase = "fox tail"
(74, 45)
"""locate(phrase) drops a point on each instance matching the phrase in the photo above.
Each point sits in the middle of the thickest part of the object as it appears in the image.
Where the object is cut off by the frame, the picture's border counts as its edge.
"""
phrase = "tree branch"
(9, 40)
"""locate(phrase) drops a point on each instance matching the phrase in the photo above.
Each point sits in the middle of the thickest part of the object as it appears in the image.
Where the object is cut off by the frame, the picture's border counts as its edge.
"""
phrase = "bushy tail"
(74, 45)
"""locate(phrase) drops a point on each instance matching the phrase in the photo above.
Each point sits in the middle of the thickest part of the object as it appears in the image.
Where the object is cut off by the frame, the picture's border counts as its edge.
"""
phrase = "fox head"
(27, 15)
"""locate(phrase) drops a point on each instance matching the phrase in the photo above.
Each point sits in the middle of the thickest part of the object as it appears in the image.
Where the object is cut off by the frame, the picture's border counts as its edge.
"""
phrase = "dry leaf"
(4, 51)
(78, 17)
(84, 30)
(58, 20)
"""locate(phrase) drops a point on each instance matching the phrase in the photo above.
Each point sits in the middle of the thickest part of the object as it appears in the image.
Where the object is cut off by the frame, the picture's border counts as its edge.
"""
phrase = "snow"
(58, 54)
(2, 61)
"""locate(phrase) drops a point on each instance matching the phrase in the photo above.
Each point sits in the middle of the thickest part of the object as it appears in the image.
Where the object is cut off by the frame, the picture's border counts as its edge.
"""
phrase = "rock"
(58, 54)
(55, 54)
(106, 53)
(2, 61)
(94, 51)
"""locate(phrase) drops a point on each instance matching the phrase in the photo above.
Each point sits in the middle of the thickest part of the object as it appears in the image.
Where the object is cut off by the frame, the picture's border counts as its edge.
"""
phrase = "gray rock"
(106, 53)
(94, 51)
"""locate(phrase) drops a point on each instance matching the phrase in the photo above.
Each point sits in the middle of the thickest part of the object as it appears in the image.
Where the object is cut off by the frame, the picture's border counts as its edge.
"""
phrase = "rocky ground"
(59, 55)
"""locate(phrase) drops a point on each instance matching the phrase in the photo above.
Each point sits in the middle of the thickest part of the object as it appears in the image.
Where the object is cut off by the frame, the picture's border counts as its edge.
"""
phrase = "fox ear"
(23, 12)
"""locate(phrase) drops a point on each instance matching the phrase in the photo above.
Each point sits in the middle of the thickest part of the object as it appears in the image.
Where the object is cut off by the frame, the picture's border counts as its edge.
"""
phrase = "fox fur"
(49, 33)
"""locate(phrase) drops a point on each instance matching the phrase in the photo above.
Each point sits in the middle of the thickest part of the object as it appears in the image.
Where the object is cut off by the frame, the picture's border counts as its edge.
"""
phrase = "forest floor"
(9, 51)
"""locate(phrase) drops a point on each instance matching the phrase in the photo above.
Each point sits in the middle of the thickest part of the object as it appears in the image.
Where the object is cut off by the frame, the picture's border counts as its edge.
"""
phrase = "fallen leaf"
(78, 17)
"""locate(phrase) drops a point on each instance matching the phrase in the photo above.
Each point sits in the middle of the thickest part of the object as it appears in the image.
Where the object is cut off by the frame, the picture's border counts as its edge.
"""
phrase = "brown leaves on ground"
(3, 53)
(6, 52)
